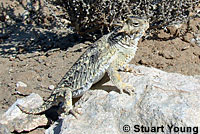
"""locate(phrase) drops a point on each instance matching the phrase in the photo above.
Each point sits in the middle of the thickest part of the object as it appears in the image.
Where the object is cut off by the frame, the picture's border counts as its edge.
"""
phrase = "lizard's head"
(132, 27)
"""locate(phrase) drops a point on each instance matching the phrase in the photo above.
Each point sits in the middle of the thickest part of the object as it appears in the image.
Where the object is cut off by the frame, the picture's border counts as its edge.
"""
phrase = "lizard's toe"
(128, 88)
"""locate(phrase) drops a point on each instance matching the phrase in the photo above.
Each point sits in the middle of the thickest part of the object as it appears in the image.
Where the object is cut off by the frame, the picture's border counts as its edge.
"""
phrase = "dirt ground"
(40, 56)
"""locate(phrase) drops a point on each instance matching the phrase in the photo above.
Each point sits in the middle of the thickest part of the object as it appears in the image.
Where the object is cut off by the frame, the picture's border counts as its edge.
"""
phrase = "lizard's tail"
(46, 105)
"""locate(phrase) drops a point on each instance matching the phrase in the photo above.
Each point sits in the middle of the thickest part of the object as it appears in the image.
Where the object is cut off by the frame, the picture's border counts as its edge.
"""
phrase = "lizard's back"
(89, 68)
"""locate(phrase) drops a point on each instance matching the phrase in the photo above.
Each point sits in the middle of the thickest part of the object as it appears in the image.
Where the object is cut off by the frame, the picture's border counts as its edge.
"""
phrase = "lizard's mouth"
(135, 36)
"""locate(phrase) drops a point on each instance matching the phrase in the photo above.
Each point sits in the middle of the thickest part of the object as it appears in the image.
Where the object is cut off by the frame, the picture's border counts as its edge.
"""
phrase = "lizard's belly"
(99, 77)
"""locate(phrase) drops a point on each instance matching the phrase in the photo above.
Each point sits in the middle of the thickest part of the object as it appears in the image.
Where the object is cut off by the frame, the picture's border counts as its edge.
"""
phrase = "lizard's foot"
(129, 69)
(74, 111)
(127, 88)
(69, 111)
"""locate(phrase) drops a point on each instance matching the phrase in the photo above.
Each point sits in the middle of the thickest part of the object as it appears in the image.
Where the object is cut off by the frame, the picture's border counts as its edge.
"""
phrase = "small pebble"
(51, 87)
(11, 70)
(11, 58)
(40, 60)
(21, 84)
(7, 17)
(197, 39)
(39, 79)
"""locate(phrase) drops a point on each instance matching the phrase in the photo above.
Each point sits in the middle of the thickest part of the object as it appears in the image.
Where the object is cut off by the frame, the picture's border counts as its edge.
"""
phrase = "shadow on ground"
(28, 34)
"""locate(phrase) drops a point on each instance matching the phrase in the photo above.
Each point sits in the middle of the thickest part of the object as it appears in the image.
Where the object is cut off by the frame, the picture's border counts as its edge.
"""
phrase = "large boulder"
(163, 102)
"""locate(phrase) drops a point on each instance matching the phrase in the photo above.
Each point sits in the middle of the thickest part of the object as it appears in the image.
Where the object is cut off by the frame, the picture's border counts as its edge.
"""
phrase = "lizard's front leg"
(127, 68)
(116, 80)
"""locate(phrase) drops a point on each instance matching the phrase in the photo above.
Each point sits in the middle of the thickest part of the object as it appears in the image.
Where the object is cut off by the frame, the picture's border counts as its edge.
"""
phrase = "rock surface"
(161, 101)
(14, 120)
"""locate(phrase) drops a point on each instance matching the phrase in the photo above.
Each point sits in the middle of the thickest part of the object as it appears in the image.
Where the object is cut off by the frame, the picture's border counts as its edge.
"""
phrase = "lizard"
(108, 54)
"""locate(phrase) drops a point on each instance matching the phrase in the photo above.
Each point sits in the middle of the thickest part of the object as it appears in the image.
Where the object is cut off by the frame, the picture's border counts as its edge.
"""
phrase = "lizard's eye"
(135, 24)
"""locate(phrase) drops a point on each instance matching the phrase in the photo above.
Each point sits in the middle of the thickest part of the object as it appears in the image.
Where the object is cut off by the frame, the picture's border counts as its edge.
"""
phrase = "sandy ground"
(40, 56)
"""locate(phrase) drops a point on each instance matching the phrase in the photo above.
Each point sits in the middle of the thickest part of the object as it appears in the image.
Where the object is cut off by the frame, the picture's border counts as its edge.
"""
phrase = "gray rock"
(4, 129)
(197, 39)
(162, 101)
(15, 120)
(20, 84)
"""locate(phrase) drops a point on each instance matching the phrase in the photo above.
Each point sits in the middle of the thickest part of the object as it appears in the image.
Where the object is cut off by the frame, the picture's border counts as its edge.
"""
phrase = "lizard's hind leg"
(68, 107)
